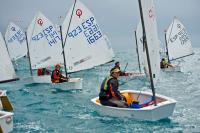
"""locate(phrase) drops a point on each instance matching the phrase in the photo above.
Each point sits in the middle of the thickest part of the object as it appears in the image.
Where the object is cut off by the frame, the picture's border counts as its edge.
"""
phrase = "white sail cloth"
(85, 46)
(16, 41)
(44, 41)
(178, 40)
(153, 43)
(7, 71)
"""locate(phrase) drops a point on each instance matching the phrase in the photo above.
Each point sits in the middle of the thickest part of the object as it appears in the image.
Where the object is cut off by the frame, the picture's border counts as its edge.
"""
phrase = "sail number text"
(89, 28)
(19, 36)
(50, 34)
(182, 36)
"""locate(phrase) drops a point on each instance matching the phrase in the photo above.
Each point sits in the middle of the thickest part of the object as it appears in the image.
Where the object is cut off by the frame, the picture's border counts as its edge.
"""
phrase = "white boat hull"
(6, 121)
(163, 109)
(172, 69)
(39, 79)
(73, 83)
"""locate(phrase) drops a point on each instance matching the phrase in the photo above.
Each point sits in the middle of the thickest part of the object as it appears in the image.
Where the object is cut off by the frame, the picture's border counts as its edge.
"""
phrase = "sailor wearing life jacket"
(164, 64)
(56, 76)
(109, 94)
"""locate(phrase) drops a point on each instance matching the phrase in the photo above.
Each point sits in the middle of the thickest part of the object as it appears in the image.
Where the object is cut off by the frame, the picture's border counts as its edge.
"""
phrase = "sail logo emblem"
(13, 29)
(151, 13)
(79, 12)
(40, 22)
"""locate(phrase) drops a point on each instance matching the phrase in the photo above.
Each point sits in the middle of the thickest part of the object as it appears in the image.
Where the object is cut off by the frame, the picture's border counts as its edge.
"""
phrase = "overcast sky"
(117, 18)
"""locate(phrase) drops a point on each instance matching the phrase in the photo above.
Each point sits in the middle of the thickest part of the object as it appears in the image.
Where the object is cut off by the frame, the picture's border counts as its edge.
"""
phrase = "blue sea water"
(39, 108)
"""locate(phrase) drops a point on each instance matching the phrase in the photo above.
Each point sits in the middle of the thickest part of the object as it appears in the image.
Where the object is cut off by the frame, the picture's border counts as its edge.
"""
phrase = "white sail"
(86, 46)
(140, 47)
(7, 71)
(44, 43)
(178, 40)
(149, 16)
(16, 41)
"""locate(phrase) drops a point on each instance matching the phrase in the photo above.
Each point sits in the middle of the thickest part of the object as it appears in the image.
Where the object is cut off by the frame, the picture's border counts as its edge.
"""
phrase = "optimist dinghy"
(45, 50)
(150, 106)
(178, 43)
(149, 111)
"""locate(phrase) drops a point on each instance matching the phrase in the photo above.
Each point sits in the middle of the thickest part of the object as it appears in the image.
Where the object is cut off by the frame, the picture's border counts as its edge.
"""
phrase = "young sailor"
(56, 76)
(109, 94)
(164, 64)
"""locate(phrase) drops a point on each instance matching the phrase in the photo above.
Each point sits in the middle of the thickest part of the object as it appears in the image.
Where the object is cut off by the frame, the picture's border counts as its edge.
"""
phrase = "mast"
(63, 43)
(29, 59)
(166, 46)
(70, 22)
(63, 51)
(147, 52)
(137, 52)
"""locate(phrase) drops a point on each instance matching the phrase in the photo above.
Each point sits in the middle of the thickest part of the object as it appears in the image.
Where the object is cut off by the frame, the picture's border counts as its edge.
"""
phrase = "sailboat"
(16, 42)
(161, 106)
(7, 74)
(178, 43)
(45, 50)
(85, 44)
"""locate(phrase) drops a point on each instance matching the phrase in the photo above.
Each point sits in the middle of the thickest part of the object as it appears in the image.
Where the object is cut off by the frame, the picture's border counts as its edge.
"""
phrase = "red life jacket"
(55, 76)
(43, 71)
